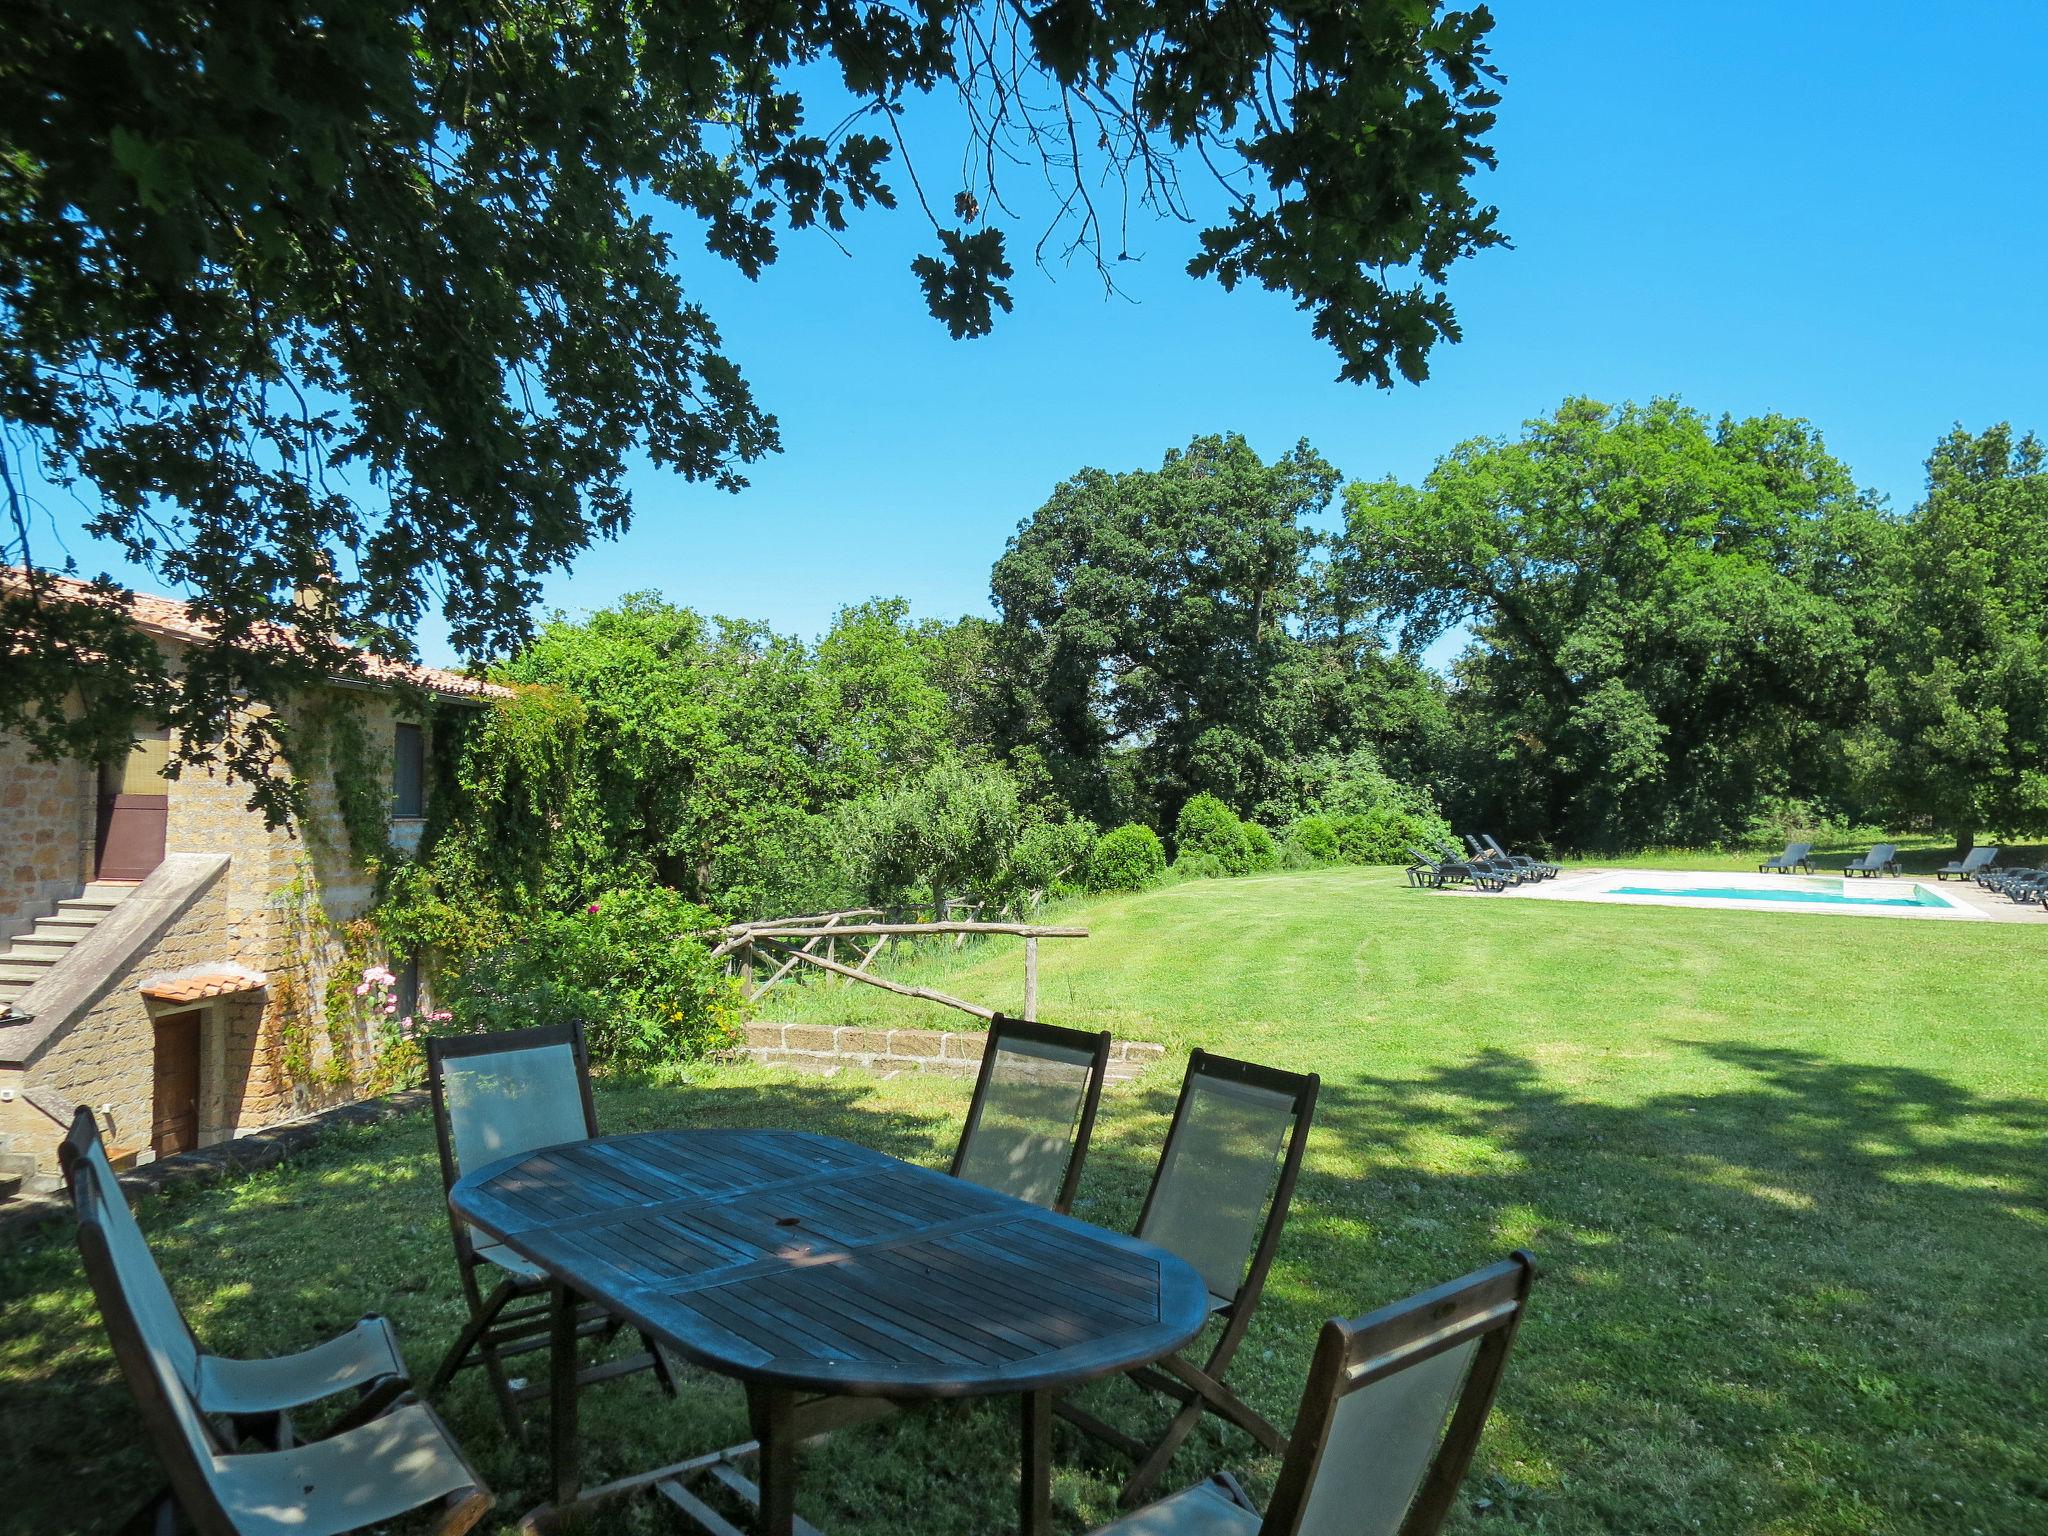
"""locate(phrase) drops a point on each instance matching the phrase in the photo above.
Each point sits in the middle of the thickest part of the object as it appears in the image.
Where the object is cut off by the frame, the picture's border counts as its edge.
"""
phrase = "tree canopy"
(1958, 732)
(1178, 618)
(361, 301)
(1669, 614)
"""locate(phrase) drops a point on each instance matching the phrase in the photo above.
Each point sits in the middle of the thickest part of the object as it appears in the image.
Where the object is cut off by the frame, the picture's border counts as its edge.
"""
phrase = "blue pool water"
(1802, 896)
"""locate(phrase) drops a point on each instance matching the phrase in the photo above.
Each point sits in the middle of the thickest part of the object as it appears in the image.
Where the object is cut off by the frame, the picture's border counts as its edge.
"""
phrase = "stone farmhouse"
(174, 963)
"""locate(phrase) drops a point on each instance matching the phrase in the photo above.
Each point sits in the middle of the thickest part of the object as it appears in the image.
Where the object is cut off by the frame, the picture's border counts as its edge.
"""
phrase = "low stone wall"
(824, 1048)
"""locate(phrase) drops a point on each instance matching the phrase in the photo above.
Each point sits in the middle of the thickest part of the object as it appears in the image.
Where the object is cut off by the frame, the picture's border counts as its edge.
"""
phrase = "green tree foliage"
(1127, 859)
(1959, 719)
(710, 741)
(948, 832)
(1671, 617)
(492, 844)
(1361, 814)
(1178, 625)
(1050, 859)
(368, 297)
(1207, 825)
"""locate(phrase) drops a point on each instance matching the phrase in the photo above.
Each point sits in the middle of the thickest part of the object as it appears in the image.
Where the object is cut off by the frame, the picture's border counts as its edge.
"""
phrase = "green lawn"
(1785, 1174)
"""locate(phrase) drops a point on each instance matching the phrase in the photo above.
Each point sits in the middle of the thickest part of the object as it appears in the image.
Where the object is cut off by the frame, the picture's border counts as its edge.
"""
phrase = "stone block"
(915, 1042)
(807, 1037)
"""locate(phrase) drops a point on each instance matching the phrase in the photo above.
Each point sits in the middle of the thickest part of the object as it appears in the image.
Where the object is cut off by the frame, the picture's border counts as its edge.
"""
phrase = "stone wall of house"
(46, 834)
(282, 907)
(107, 1058)
(290, 896)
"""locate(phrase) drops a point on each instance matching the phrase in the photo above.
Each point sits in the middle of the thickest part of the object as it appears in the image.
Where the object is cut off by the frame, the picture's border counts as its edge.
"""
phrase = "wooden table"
(813, 1271)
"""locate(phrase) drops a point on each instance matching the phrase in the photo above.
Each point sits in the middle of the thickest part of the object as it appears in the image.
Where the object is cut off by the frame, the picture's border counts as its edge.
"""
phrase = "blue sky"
(1838, 211)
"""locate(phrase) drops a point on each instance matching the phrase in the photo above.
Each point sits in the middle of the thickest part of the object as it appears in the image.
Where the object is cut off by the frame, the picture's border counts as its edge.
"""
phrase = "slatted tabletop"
(806, 1262)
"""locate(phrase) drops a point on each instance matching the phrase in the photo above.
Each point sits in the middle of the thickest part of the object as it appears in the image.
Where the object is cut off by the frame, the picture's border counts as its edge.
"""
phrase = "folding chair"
(1033, 1110)
(258, 1396)
(1392, 1413)
(399, 1461)
(496, 1096)
(1217, 1201)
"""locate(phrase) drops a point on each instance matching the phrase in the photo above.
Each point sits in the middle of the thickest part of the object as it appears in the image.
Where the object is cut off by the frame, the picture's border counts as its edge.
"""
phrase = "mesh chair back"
(156, 1311)
(1394, 1407)
(500, 1095)
(125, 1283)
(496, 1096)
(1226, 1175)
(1033, 1110)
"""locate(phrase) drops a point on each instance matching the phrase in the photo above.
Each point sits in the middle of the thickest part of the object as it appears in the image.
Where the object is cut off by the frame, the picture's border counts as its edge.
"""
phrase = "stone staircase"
(29, 958)
(18, 1174)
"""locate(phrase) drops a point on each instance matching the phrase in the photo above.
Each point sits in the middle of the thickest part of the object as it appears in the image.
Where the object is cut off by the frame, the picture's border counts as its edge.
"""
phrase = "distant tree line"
(1676, 630)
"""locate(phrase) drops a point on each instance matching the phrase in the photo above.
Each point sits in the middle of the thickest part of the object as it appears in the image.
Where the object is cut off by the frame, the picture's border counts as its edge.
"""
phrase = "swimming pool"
(1803, 894)
(1710, 890)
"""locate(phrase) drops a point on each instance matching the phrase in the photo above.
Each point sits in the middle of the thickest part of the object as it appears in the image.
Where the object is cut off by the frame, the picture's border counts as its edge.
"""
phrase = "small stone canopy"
(200, 983)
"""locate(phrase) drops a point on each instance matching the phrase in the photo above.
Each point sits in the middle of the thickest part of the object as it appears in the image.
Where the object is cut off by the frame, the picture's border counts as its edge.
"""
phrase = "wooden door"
(174, 1114)
(134, 810)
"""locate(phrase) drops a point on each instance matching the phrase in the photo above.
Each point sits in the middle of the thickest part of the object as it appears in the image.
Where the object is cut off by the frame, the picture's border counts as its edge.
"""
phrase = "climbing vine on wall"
(330, 744)
(340, 1013)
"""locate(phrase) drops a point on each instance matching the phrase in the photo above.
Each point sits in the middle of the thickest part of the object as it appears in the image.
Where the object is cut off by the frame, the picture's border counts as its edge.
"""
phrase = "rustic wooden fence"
(780, 946)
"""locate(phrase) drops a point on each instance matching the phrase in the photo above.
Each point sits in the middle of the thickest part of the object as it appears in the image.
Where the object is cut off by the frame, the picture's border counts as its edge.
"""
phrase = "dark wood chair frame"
(1094, 1044)
(514, 1317)
(1201, 1388)
(190, 1502)
(1487, 1306)
(271, 1431)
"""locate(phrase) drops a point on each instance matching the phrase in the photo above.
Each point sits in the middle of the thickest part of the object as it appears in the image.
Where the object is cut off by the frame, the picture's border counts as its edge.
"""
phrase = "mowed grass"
(1785, 1174)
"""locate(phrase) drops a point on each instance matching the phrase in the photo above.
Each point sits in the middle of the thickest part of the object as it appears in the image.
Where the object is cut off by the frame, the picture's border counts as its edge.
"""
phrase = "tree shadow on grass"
(1798, 1301)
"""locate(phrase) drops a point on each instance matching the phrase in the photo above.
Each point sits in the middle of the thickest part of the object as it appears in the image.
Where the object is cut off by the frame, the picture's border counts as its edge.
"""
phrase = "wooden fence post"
(1031, 980)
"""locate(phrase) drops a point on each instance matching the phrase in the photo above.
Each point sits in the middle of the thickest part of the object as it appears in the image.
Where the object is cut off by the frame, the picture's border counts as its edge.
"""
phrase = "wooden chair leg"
(474, 1339)
(480, 1318)
(1154, 1465)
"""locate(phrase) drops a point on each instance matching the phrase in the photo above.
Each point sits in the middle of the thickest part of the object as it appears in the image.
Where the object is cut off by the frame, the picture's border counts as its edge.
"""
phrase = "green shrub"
(1051, 857)
(948, 831)
(625, 965)
(1292, 858)
(1199, 866)
(1207, 825)
(1365, 816)
(1313, 839)
(1128, 859)
(1257, 852)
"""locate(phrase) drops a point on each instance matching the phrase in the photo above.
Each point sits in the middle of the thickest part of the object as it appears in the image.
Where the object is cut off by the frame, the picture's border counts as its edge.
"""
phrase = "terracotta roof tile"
(173, 620)
(197, 985)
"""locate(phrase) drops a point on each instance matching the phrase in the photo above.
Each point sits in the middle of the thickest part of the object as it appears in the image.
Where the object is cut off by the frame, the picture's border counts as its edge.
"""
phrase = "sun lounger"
(1881, 860)
(1795, 856)
(1967, 866)
(1541, 870)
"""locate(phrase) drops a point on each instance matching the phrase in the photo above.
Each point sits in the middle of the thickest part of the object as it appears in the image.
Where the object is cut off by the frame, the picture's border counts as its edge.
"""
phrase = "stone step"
(24, 975)
(12, 1184)
(16, 1165)
(32, 950)
(99, 905)
(111, 888)
(75, 924)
